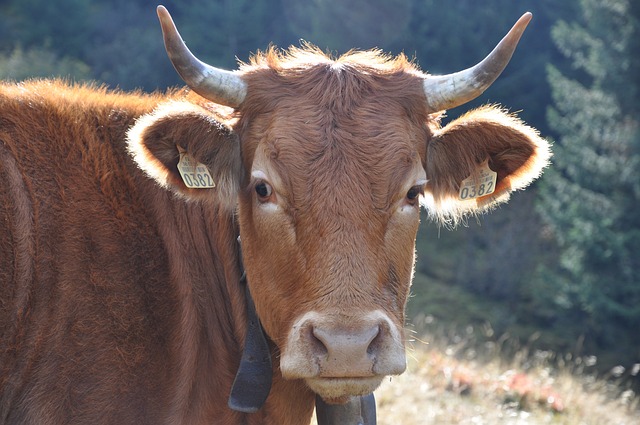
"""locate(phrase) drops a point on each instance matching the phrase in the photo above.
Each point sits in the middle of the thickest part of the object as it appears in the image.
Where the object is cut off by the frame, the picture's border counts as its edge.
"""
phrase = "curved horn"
(448, 91)
(218, 85)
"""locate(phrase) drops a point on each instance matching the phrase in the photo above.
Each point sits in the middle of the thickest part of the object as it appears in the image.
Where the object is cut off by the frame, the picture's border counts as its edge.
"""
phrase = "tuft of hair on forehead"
(296, 58)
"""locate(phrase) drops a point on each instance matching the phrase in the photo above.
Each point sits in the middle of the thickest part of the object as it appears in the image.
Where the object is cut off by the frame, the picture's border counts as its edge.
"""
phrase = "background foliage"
(560, 260)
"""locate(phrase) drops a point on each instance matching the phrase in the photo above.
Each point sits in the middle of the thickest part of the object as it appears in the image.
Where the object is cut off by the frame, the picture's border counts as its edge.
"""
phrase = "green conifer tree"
(591, 195)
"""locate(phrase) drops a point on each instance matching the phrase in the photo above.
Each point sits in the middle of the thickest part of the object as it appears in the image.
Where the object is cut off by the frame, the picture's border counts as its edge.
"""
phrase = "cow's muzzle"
(253, 382)
(341, 356)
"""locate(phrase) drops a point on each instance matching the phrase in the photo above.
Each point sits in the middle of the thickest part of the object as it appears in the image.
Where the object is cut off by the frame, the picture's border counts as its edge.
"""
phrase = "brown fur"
(112, 313)
(120, 301)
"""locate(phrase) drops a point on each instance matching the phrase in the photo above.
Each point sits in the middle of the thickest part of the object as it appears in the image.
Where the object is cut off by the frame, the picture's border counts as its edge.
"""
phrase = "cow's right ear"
(175, 129)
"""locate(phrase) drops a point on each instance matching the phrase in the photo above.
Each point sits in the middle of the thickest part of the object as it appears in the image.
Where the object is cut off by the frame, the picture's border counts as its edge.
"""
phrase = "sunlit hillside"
(452, 383)
(450, 380)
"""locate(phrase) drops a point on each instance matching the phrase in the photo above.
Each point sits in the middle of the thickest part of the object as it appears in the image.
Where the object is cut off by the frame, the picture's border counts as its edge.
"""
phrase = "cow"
(146, 240)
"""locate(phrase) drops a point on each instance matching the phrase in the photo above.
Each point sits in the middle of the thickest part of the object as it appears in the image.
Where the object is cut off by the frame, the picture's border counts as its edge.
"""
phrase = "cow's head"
(327, 163)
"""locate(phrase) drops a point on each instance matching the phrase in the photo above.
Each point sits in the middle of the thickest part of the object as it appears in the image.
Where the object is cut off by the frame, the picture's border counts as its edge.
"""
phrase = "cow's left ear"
(179, 133)
(477, 160)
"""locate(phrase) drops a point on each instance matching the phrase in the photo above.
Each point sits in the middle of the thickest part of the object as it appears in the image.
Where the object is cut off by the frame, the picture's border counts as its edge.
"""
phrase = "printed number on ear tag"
(482, 185)
(194, 174)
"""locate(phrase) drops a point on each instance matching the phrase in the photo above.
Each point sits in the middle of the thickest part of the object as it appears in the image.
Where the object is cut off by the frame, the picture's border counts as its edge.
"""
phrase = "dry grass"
(450, 382)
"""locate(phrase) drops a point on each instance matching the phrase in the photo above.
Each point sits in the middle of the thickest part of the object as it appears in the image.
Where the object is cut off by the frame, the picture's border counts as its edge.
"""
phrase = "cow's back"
(84, 304)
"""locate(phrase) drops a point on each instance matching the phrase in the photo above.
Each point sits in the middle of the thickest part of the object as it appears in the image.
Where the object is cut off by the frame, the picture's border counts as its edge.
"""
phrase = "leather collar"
(253, 381)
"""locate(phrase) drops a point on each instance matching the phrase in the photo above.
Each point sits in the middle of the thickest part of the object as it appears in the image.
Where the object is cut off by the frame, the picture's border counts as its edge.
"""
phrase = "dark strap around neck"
(252, 384)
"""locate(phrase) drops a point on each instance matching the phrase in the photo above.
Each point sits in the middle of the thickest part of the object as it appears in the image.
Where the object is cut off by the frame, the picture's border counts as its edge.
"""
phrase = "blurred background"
(558, 267)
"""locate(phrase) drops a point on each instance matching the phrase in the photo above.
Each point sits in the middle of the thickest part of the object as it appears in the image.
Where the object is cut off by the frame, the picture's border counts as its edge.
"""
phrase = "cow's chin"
(340, 390)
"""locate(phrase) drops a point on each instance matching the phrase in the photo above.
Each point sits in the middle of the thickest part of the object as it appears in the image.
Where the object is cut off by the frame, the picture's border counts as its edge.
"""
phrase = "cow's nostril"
(375, 343)
(318, 346)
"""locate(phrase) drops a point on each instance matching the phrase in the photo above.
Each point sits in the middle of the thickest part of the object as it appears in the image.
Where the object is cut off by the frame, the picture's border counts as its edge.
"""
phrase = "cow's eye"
(264, 191)
(414, 193)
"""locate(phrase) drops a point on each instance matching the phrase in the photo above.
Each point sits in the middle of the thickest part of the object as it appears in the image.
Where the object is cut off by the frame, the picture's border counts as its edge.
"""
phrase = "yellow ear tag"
(194, 174)
(482, 185)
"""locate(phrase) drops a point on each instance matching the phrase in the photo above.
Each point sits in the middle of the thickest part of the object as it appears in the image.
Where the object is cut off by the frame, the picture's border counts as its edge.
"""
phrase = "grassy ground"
(451, 382)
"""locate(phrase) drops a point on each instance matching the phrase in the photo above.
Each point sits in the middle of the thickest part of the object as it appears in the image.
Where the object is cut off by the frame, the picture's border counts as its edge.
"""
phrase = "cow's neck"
(205, 266)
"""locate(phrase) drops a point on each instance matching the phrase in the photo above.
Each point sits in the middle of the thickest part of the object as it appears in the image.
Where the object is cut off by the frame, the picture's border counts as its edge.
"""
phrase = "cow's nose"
(334, 346)
(341, 352)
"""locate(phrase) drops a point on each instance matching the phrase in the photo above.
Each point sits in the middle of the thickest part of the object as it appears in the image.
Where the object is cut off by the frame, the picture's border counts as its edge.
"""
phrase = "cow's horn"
(448, 91)
(218, 85)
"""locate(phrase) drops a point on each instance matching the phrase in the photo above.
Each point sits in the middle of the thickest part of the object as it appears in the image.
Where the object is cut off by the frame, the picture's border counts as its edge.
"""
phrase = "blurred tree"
(62, 25)
(453, 37)
(340, 26)
(591, 196)
(222, 31)
(125, 48)
(120, 39)
(40, 62)
(496, 254)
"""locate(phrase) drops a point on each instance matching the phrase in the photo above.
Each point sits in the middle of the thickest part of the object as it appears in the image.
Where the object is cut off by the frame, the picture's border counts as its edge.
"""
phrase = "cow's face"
(328, 215)
(326, 163)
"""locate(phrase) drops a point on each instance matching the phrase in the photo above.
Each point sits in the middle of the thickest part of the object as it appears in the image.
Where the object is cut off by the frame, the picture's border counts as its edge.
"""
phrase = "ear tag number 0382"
(482, 185)
(194, 174)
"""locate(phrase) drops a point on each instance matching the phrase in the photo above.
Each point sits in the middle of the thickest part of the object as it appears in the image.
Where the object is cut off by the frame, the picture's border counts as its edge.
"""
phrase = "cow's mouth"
(339, 390)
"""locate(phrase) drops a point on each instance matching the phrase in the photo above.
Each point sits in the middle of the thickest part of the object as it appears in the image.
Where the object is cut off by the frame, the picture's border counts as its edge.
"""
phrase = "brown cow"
(121, 302)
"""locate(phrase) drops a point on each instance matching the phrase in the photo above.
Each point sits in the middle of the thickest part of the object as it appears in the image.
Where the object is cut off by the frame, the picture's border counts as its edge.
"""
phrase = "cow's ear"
(177, 133)
(476, 161)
